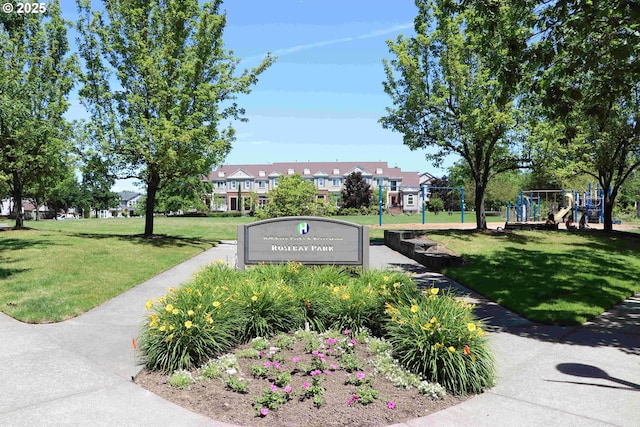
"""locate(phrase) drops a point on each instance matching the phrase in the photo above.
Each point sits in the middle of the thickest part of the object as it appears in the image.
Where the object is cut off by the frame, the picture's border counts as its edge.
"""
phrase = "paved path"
(79, 372)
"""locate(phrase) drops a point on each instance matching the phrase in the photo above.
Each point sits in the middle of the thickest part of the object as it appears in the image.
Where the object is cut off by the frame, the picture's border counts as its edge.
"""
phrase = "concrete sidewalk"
(79, 372)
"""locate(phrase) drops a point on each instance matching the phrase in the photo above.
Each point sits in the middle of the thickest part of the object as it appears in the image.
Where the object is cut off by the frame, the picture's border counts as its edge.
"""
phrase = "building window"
(336, 182)
(233, 184)
(262, 184)
(274, 182)
(379, 171)
(247, 185)
(410, 200)
(380, 181)
(336, 171)
(219, 184)
(290, 172)
(306, 171)
(320, 182)
(261, 173)
(394, 185)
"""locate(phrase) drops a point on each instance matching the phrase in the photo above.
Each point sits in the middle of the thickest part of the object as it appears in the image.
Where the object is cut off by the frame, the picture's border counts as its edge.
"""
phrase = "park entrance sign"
(304, 239)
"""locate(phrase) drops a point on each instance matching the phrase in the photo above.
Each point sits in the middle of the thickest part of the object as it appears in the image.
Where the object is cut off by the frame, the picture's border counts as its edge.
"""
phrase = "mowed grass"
(60, 269)
(556, 278)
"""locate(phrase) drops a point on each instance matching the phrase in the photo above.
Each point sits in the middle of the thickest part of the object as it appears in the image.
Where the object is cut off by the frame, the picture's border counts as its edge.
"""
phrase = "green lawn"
(549, 277)
(60, 269)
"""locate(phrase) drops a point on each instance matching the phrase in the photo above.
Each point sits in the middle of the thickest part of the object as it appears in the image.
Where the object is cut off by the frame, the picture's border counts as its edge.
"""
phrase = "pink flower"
(333, 367)
(328, 372)
(391, 405)
(347, 331)
(360, 375)
(274, 387)
(296, 359)
(267, 364)
(305, 385)
(353, 341)
(264, 411)
(288, 389)
(315, 372)
(314, 352)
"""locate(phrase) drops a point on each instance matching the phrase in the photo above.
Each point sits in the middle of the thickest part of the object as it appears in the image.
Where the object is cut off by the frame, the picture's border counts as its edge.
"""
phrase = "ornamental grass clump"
(188, 326)
(438, 337)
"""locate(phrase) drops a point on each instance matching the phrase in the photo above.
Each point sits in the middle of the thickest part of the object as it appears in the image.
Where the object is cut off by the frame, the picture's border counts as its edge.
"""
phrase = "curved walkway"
(79, 372)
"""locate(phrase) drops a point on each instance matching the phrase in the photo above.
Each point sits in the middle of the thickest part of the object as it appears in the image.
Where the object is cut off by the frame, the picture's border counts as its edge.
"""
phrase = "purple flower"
(296, 359)
(354, 342)
(360, 375)
(274, 387)
(391, 405)
(347, 331)
(305, 385)
(315, 372)
(267, 364)
(288, 389)
(276, 364)
(264, 411)
(333, 367)
(314, 352)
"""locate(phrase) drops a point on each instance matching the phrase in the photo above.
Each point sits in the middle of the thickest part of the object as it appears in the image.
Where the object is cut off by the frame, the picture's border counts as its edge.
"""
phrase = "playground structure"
(532, 205)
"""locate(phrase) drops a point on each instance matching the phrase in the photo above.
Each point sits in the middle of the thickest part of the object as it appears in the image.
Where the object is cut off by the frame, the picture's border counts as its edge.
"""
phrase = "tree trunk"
(17, 200)
(481, 219)
(608, 213)
(152, 188)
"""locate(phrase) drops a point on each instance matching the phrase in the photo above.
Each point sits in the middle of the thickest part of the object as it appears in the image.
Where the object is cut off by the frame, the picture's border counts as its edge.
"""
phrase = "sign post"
(304, 239)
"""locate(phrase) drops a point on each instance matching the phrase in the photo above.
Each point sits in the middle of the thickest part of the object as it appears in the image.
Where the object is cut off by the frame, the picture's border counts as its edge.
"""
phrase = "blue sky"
(322, 98)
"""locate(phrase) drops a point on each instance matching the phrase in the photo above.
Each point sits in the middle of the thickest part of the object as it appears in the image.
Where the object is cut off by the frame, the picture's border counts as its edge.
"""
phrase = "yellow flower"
(385, 278)
(396, 285)
(175, 311)
(345, 297)
(254, 298)
(209, 319)
(191, 313)
(148, 305)
(171, 327)
(216, 304)
(439, 345)
(188, 324)
(414, 308)
(433, 320)
(451, 349)
(169, 308)
(480, 332)
(188, 290)
(336, 289)
(162, 328)
(434, 291)
(471, 327)
(426, 326)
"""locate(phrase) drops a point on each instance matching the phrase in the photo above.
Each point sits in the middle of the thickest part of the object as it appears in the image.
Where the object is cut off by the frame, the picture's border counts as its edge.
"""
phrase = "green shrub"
(181, 379)
(188, 326)
(438, 337)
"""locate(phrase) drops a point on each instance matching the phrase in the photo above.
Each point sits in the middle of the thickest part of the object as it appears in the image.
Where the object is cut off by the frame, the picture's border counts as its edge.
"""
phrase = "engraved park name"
(304, 239)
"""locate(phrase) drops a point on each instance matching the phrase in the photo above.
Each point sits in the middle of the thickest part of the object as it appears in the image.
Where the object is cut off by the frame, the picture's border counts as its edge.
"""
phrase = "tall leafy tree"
(588, 78)
(160, 87)
(293, 196)
(97, 182)
(356, 193)
(455, 84)
(36, 75)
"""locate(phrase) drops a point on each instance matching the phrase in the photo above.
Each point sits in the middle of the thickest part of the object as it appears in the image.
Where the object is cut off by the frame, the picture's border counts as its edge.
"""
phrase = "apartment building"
(234, 185)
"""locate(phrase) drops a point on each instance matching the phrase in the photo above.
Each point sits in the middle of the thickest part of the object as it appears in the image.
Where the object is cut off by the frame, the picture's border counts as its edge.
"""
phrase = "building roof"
(311, 169)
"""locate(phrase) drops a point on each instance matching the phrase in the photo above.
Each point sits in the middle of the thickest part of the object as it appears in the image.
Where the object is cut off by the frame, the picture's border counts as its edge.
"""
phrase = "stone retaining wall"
(420, 249)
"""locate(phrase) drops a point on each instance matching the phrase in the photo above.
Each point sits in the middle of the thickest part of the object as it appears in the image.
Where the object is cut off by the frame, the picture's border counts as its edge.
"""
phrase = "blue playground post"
(424, 201)
(462, 203)
(508, 211)
(380, 205)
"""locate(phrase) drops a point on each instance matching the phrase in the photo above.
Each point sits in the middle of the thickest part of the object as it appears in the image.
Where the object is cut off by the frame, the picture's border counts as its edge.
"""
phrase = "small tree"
(436, 204)
(293, 196)
(356, 193)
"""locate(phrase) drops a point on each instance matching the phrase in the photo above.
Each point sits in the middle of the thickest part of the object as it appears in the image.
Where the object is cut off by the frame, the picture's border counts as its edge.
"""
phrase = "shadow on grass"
(561, 291)
(157, 240)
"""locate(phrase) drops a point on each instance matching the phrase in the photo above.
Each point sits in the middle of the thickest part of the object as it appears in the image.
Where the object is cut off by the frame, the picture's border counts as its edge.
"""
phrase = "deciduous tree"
(36, 75)
(454, 85)
(293, 196)
(161, 87)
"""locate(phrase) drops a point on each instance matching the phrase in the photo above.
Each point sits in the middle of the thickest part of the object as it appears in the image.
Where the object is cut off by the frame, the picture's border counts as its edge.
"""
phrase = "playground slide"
(567, 208)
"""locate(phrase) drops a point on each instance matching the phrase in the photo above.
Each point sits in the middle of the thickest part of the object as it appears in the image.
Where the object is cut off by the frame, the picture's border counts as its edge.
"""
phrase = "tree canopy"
(356, 193)
(454, 86)
(161, 87)
(36, 76)
(587, 78)
(292, 197)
